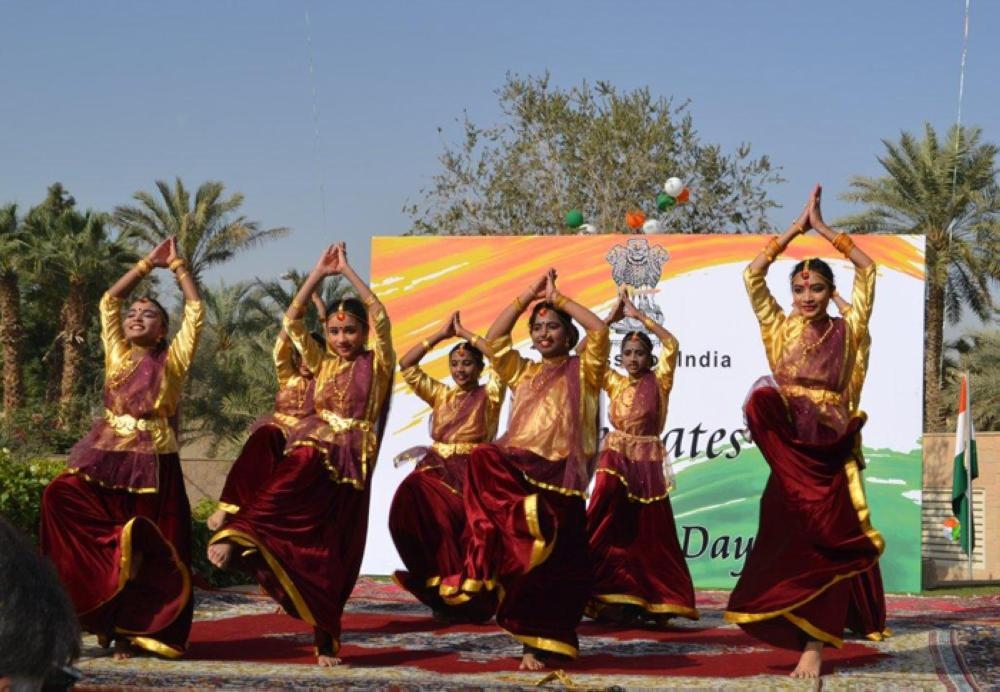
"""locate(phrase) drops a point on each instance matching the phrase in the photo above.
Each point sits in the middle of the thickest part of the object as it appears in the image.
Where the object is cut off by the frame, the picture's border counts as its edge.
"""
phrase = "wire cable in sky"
(315, 113)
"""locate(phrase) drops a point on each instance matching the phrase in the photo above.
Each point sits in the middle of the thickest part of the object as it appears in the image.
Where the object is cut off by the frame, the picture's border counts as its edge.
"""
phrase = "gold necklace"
(808, 348)
(120, 374)
(342, 391)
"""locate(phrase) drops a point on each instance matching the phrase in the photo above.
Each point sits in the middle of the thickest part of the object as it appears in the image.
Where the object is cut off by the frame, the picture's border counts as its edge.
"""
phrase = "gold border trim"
(228, 508)
(540, 550)
(157, 647)
(73, 471)
(553, 645)
(629, 495)
(813, 631)
(248, 541)
(653, 608)
(554, 488)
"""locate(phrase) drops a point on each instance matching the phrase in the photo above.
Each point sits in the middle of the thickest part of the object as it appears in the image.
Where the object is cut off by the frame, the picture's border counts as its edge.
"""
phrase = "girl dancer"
(524, 496)
(117, 523)
(303, 534)
(427, 516)
(639, 568)
(265, 447)
(814, 566)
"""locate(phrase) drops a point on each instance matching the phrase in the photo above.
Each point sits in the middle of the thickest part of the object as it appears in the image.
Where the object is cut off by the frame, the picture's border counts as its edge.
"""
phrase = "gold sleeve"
(380, 339)
(179, 356)
(496, 390)
(594, 358)
(769, 314)
(507, 363)
(862, 299)
(612, 380)
(311, 352)
(423, 385)
(282, 355)
(116, 346)
(667, 364)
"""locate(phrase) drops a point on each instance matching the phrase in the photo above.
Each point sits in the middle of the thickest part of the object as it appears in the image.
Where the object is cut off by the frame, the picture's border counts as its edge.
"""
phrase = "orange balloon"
(684, 196)
(635, 219)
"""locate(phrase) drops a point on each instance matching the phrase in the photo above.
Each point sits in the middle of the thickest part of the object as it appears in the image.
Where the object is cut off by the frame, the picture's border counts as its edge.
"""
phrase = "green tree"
(12, 247)
(593, 148)
(946, 191)
(208, 231)
(74, 253)
(978, 353)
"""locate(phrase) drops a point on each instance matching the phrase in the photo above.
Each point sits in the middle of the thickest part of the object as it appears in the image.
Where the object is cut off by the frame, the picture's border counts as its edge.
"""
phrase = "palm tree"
(75, 251)
(948, 192)
(11, 326)
(207, 234)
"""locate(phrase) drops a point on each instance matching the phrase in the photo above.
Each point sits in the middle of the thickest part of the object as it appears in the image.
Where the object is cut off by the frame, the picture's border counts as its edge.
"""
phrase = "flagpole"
(967, 462)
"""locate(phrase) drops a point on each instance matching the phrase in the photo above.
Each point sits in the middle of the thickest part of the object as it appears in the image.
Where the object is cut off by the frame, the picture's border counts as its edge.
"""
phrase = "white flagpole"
(967, 462)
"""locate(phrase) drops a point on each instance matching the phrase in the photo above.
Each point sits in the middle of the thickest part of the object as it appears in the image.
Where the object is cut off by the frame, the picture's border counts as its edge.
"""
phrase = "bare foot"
(530, 662)
(328, 661)
(810, 661)
(216, 520)
(219, 554)
(123, 650)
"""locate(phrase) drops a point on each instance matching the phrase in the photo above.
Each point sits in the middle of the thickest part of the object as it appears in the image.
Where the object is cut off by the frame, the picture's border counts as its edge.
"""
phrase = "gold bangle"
(176, 263)
(843, 243)
(297, 306)
(181, 274)
(369, 300)
(518, 305)
(648, 322)
(559, 300)
(772, 249)
(426, 344)
(144, 266)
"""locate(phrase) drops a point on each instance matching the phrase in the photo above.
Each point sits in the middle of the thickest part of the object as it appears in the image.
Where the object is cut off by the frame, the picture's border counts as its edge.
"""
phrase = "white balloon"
(587, 228)
(651, 226)
(673, 186)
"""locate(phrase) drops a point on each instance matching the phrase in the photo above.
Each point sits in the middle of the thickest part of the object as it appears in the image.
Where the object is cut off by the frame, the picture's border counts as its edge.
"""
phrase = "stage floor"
(389, 640)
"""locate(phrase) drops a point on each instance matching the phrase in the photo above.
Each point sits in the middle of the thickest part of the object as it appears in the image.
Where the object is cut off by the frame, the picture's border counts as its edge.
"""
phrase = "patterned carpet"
(239, 642)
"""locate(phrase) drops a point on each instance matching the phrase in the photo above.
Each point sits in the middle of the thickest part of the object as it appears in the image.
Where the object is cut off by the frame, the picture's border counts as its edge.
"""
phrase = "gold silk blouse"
(118, 355)
(546, 431)
(329, 367)
(451, 424)
(636, 420)
(781, 335)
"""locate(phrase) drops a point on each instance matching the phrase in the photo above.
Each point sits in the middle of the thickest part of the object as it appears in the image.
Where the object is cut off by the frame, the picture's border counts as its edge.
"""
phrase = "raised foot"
(328, 661)
(810, 661)
(219, 554)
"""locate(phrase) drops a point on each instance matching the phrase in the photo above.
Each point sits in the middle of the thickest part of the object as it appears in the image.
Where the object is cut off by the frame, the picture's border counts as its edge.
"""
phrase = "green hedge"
(21, 485)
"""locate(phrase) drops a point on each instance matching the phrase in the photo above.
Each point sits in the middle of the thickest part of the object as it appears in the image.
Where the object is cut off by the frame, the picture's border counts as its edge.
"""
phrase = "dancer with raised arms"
(640, 575)
(813, 570)
(117, 523)
(525, 494)
(303, 534)
(427, 516)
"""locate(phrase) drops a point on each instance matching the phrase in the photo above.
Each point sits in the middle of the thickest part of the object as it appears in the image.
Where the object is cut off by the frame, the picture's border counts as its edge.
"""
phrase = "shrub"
(21, 485)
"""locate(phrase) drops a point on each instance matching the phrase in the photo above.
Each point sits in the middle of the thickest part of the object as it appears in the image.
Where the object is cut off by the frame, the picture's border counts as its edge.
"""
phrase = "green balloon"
(574, 218)
(664, 201)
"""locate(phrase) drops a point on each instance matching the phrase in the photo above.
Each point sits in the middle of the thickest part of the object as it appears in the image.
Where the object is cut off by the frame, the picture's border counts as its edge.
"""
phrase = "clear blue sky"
(107, 97)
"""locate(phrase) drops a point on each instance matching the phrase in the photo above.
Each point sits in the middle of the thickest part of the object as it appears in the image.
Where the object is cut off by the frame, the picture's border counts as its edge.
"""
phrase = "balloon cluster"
(674, 193)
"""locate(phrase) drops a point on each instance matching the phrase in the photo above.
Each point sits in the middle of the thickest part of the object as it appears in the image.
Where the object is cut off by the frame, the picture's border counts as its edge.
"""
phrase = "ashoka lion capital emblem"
(639, 267)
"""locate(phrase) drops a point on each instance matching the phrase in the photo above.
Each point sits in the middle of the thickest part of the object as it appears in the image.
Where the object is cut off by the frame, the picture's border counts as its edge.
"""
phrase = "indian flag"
(966, 468)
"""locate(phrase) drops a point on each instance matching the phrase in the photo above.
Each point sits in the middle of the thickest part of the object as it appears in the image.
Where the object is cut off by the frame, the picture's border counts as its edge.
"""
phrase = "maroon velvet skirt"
(124, 557)
(427, 524)
(303, 537)
(531, 542)
(637, 558)
(813, 570)
(260, 456)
